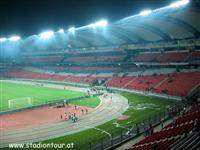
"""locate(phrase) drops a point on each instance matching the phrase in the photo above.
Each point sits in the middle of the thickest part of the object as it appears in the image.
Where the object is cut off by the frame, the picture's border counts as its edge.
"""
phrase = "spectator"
(174, 123)
(162, 124)
(155, 146)
(185, 131)
(198, 126)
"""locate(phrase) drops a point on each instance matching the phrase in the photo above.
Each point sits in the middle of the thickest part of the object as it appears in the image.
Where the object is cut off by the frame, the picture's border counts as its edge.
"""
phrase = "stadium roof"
(168, 23)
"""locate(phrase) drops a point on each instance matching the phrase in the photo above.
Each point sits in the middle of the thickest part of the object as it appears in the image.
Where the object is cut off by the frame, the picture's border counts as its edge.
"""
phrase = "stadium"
(132, 84)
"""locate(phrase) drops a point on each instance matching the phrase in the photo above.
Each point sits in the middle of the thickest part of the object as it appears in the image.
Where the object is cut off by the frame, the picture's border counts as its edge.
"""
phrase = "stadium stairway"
(189, 142)
(161, 82)
(129, 82)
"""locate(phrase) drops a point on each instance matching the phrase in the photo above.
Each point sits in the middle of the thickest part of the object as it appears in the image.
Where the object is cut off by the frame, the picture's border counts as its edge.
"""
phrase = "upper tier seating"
(145, 57)
(112, 57)
(172, 57)
(194, 56)
(81, 68)
(92, 59)
(171, 133)
(167, 57)
(44, 60)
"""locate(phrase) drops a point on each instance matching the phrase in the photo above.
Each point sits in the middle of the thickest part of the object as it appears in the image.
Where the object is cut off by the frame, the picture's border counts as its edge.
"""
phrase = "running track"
(107, 110)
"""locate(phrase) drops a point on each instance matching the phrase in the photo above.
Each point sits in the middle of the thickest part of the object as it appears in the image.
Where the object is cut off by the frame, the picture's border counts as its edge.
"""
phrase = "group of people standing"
(72, 116)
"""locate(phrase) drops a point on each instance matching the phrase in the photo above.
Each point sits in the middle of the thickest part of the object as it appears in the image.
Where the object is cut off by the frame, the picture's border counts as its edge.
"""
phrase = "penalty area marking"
(103, 131)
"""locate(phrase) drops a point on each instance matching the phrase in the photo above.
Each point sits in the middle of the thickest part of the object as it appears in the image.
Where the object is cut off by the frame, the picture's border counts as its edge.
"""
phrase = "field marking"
(103, 131)
(119, 125)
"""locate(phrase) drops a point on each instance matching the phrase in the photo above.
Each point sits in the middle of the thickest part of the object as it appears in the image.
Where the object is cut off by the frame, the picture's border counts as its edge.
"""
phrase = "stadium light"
(46, 35)
(72, 29)
(179, 3)
(102, 23)
(92, 25)
(14, 38)
(3, 39)
(145, 12)
(61, 31)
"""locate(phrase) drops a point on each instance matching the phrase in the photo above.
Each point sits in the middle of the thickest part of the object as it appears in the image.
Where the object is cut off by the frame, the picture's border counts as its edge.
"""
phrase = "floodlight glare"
(61, 31)
(179, 3)
(92, 25)
(102, 23)
(72, 29)
(3, 39)
(14, 38)
(145, 12)
(46, 35)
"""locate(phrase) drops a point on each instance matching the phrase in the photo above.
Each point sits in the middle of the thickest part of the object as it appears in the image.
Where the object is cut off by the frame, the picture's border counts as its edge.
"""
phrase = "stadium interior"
(153, 53)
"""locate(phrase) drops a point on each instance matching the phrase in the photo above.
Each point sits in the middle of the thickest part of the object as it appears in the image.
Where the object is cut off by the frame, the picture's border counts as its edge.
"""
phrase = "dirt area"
(123, 117)
(39, 116)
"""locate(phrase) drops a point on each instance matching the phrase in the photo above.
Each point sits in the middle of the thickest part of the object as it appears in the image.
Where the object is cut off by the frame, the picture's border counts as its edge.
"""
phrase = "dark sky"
(27, 17)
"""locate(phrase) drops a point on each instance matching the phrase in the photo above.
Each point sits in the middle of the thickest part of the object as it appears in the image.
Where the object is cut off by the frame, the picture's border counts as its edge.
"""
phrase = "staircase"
(129, 82)
(161, 82)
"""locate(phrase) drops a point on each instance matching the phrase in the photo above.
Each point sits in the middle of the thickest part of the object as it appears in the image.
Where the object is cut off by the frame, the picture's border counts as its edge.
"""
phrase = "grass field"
(40, 95)
(141, 108)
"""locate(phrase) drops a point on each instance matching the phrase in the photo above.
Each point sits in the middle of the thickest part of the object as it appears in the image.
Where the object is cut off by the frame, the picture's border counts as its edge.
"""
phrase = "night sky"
(27, 17)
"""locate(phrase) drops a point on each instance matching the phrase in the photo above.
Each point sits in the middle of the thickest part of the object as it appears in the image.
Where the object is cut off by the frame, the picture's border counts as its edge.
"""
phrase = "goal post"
(20, 103)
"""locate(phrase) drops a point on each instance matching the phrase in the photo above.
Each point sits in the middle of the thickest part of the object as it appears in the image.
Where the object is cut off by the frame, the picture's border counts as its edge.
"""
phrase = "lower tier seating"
(53, 77)
(164, 139)
(177, 84)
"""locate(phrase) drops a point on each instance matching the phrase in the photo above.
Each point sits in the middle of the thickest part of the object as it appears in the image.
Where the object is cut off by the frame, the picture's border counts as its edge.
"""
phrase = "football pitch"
(40, 95)
(140, 108)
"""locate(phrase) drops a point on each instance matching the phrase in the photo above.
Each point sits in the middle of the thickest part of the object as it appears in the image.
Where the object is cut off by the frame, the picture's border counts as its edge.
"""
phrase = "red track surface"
(55, 127)
(37, 117)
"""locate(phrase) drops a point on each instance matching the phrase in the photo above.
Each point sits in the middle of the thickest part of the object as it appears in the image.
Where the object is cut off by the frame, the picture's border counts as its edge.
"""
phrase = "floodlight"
(3, 39)
(72, 29)
(61, 31)
(145, 12)
(179, 3)
(102, 23)
(46, 35)
(14, 38)
(92, 25)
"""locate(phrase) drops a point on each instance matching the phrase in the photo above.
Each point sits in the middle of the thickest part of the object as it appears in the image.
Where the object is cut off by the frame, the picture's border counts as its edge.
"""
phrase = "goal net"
(19, 103)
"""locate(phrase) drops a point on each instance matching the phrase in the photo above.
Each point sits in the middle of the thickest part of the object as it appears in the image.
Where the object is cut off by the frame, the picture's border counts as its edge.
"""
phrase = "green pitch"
(39, 95)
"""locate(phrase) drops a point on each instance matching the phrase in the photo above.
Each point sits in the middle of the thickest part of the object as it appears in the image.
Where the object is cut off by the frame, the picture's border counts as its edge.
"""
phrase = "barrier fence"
(131, 131)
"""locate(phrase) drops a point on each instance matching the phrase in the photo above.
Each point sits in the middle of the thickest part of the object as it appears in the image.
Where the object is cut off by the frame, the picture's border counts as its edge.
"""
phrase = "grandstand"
(156, 56)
